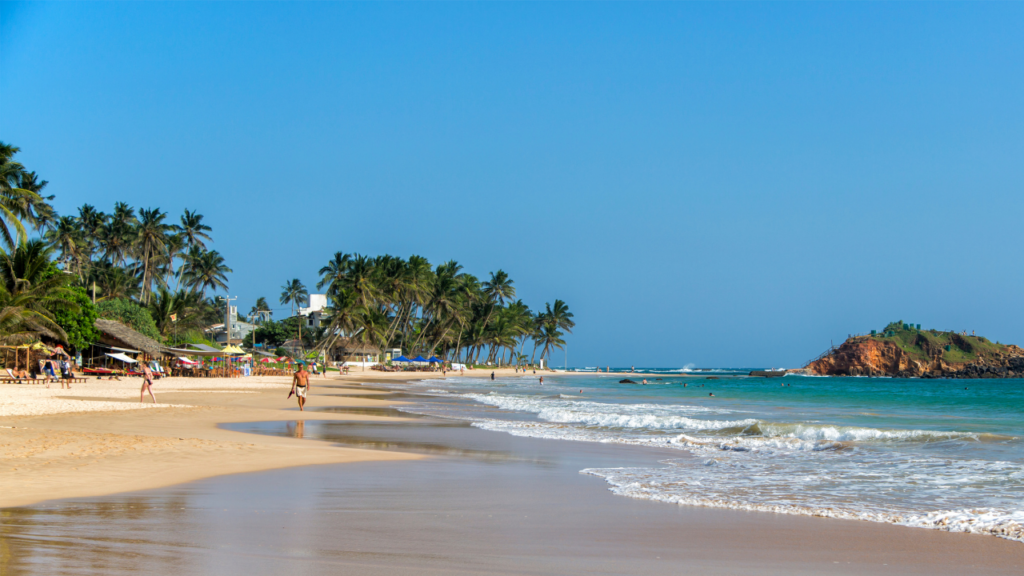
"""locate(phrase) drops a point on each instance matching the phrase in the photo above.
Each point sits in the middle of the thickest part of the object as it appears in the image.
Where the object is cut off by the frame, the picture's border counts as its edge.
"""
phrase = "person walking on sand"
(300, 385)
(147, 384)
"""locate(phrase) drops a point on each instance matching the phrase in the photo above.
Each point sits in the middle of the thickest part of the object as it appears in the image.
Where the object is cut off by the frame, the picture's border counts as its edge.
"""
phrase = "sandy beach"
(96, 438)
(391, 494)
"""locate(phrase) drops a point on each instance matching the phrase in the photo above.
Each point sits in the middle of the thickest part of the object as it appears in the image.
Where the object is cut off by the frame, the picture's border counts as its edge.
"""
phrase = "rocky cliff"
(924, 354)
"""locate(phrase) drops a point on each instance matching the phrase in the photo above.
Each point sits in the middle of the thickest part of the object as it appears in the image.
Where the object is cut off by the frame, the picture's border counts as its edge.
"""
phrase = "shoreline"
(103, 458)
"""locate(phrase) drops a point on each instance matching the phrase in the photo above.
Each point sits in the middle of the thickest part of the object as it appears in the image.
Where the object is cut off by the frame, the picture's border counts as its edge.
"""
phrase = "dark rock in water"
(626, 381)
(712, 377)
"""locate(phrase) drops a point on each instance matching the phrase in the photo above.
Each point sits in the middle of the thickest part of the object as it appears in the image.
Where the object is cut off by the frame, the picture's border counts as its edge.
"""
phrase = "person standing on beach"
(147, 384)
(492, 375)
(300, 385)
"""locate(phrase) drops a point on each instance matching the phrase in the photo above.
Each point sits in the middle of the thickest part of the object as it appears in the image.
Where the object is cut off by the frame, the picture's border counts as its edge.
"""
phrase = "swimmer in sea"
(711, 393)
(541, 380)
(684, 384)
(645, 381)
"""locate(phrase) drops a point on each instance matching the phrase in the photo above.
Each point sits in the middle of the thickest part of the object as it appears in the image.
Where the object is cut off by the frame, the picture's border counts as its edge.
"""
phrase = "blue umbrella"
(401, 359)
(419, 359)
(433, 359)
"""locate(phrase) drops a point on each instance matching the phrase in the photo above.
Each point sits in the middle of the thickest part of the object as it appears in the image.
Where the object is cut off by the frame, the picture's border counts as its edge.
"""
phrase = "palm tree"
(35, 208)
(151, 244)
(205, 270)
(113, 281)
(67, 237)
(260, 306)
(90, 221)
(193, 230)
(29, 292)
(333, 275)
(550, 338)
(13, 198)
(559, 316)
(294, 292)
(116, 236)
(496, 290)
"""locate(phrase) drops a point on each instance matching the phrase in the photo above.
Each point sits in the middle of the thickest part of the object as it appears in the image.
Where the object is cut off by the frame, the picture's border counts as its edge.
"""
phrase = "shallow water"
(944, 454)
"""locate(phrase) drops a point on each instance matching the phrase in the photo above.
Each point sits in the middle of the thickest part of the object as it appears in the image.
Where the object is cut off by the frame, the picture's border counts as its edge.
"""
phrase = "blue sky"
(716, 184)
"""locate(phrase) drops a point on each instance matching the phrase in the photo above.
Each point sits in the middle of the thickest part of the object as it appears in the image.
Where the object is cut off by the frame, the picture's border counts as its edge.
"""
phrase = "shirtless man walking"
(300, 385)
(147, 383)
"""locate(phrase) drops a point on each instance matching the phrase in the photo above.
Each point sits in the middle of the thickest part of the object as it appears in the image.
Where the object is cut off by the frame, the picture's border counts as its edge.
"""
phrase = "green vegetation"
(925, 345)
(390, 302)
(135, 264)
(131, 314)
(79, 325)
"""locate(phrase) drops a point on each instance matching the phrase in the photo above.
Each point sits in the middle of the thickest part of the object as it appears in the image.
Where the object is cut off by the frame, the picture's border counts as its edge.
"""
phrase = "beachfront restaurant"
(120, 349)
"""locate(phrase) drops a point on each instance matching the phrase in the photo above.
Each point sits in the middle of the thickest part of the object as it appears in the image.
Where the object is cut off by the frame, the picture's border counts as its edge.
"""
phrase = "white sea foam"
(901, 476)
(588, 413)
(702, 484)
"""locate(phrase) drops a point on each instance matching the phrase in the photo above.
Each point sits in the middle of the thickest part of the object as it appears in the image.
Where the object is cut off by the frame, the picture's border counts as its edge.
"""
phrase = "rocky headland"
(905, 351)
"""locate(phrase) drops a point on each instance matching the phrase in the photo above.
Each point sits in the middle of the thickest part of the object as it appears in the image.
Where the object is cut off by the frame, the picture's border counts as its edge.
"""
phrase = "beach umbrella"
(401, 359)
(433, 359)
(419, 359)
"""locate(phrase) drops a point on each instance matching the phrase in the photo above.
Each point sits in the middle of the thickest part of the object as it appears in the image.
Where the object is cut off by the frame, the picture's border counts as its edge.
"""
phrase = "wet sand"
(480, 503)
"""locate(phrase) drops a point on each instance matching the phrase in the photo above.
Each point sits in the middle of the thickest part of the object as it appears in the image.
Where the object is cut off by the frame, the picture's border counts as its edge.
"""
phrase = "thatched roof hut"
(113, 333)
(349, 346)
(348, 349)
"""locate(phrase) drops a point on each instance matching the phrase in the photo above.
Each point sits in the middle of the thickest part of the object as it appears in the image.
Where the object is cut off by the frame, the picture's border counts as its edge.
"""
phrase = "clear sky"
(717, 184)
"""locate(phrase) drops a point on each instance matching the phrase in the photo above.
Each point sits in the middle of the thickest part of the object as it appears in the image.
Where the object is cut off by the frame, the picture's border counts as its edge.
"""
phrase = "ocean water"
(944, 454)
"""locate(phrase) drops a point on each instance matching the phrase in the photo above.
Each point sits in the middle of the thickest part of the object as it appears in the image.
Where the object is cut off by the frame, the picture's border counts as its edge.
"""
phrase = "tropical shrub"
(129, 313)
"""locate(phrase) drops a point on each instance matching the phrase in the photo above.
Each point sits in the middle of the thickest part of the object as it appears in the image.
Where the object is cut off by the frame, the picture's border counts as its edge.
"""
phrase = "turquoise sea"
(944, 454)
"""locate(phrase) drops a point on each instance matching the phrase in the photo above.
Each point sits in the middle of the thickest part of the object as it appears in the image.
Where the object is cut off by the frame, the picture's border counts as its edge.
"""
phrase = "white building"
(314, 311)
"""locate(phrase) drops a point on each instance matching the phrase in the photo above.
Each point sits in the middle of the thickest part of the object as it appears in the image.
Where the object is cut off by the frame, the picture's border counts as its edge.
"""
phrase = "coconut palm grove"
(160, 276)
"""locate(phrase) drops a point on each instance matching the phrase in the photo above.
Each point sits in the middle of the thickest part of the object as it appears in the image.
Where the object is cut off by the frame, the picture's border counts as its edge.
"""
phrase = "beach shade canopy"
(419, 359)
(283, 359)
(401, 359)
(233, 350)
(184, 360)
(122, 358)
(433, 359)
(266, 360)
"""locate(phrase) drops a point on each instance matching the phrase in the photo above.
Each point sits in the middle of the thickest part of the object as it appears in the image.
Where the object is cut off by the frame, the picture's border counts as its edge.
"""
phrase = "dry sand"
(96, 438)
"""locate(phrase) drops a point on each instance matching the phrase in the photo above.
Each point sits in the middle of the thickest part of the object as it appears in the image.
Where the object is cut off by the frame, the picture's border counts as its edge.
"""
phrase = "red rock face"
(862, 356)
(865, 357)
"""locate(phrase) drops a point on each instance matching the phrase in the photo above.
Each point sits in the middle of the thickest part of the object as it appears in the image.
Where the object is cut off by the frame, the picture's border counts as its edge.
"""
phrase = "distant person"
(711, 393)
(684, 384)
(492, 375)
(300, 386)
(462, 370)
(541, 380)
(147, 384)
(632, 369)
(645, 381)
